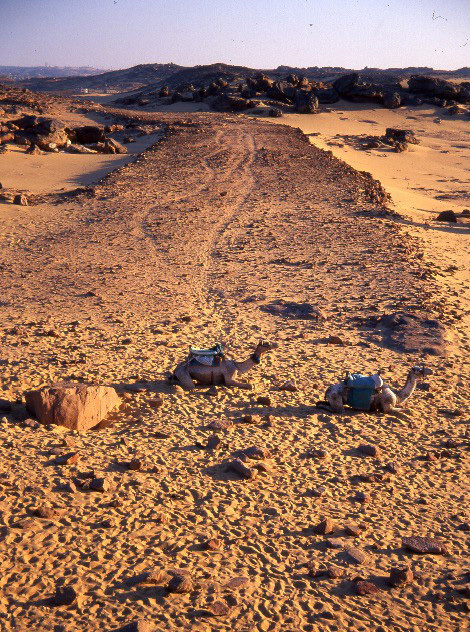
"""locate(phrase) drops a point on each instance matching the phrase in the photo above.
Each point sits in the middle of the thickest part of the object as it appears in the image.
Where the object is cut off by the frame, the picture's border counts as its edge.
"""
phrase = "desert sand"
(222, 231)
(431, 177)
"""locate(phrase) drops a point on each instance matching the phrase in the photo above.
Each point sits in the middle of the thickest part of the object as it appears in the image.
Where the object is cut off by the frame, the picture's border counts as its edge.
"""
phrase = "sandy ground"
(431, 177)
(194, 243)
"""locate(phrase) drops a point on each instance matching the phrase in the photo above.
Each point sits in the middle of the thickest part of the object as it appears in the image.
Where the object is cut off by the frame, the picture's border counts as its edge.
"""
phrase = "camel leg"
(389, 409)
(184, 378)
(229, 381)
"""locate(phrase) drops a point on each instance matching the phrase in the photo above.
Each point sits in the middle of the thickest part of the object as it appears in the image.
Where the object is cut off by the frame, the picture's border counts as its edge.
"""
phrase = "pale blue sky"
(257, 33)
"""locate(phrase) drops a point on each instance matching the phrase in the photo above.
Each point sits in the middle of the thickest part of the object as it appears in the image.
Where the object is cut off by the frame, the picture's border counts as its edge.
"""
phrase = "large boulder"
(326, 94)
(393, 134)
(88, 134)
(112, 146)
(433, 87)
(228, 103)
(392, 100)
(343, 85)
(306, 102)
(41, 131)
(75, 406)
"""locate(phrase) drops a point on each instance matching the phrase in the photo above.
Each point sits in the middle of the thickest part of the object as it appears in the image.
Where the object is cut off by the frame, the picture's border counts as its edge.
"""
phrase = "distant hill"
(117, 80)
(150, 77)
(28, 72)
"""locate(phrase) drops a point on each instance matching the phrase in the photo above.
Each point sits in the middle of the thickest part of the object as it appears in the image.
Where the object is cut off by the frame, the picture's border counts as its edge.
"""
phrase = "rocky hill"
(40, 72)
(118, 80)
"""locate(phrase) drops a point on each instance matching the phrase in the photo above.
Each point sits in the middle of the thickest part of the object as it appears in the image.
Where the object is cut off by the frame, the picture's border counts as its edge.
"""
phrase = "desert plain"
(232, 228)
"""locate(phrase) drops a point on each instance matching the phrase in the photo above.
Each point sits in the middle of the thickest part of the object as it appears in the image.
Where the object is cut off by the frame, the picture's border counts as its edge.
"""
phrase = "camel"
(380, 396)
(210, 367)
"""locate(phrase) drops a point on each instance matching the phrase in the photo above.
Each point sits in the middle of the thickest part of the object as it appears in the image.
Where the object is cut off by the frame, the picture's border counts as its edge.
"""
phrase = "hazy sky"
(258, 33)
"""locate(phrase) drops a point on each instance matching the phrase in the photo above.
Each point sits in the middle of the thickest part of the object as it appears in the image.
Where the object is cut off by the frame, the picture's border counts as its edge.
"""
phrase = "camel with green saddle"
(211, 368)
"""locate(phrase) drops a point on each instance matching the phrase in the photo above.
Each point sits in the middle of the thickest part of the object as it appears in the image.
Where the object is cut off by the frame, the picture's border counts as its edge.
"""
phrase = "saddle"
(209, 357)
(361, 389)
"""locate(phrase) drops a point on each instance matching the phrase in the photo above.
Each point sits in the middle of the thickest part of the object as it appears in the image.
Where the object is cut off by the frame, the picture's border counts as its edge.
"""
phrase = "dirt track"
(216, 223)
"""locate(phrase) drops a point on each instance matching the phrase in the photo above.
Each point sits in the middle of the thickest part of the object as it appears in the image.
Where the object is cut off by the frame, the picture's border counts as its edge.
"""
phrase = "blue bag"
(361, 389)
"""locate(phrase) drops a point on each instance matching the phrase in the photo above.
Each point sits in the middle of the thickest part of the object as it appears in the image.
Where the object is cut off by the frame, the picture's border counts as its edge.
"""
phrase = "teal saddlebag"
(361, 389)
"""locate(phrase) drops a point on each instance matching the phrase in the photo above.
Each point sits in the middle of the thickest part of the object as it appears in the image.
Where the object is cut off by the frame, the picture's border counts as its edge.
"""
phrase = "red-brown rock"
(75, 406)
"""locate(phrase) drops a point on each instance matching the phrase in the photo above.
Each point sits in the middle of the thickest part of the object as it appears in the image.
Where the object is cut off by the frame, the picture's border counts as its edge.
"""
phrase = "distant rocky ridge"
(116, 80)
(150, 74)
(40, 72)
(234, 89)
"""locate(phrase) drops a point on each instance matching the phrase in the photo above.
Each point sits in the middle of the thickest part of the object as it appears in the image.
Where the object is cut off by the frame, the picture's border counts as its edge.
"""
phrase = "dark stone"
(400, 576)
(306, 102)
(447, 216)
(400, 135)
(424, 545)
(64, 596)
(180, 584)
(392, 100)
(364, 588)
(89, 134)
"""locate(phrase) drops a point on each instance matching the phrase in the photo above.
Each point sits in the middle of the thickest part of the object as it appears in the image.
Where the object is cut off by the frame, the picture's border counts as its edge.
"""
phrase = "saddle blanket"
(361, 389)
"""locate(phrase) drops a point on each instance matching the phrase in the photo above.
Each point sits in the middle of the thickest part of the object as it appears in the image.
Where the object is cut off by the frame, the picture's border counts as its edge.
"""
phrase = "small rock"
(99, 484)
(366, 588)
(47, 512)
(334, 543)
(290, 386)
(251, 419)
(157, 577)
(20, 200)
(400, 576)
(219, 608)
(135, 465)
(356, 555)
(317, 454)
(335, 340)
(264, 401)
(213, 442)
(214, 544)
(418, 544)
(363, 497)
(369, 450)
(238, 466)
(255, 452)
(156, 402)
(393, 468)
(237, 582)
(318, 492)
(353, 529)
(220, 424)
(325, 527)
(64, 596)
(464, 526)
(67, 459)
(180, 584)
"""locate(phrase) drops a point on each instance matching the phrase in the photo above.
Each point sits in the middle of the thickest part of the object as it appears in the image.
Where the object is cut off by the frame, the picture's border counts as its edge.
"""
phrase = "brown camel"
(211, 368)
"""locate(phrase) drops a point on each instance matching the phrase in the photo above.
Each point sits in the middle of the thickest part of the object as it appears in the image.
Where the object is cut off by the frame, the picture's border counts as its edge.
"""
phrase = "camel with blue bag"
(370, 393)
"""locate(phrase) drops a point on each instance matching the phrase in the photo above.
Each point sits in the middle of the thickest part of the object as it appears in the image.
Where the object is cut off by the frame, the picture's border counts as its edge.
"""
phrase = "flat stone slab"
(418, 544)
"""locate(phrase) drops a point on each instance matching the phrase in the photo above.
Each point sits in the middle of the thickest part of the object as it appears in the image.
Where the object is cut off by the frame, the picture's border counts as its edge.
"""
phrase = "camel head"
(263, 346)
(420, 371)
